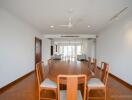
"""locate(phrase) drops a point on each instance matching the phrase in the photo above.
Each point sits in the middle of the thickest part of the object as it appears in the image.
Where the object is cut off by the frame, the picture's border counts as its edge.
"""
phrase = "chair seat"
(95, 82)
(47, 83)
(63, 95)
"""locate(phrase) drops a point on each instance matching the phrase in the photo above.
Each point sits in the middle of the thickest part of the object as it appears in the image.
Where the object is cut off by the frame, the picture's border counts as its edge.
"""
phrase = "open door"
(38, 50)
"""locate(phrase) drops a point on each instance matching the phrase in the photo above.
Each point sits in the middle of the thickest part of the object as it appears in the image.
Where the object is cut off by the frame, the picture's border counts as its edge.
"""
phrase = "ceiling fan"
(69, 25)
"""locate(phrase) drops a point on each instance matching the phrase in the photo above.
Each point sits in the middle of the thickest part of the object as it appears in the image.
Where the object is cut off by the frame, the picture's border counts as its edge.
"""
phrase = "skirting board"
(14, 82)
(120, 80)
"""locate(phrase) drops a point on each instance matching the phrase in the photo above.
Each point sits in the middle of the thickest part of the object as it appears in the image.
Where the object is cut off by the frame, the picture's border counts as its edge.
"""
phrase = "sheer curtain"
(84, 46)
(72, 48)
(69, 50)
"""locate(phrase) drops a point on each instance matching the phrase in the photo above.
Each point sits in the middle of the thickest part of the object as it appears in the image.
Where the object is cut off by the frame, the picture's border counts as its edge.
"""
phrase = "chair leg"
(88, 90)
(56, 94)
(105, 93)
(39, 95)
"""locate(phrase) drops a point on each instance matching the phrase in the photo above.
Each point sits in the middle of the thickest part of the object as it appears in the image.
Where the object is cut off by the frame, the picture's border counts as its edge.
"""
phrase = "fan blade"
(69, 23)
(70, 19)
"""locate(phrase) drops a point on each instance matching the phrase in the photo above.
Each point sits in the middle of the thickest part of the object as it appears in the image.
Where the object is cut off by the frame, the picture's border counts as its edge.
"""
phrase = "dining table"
(68, 67)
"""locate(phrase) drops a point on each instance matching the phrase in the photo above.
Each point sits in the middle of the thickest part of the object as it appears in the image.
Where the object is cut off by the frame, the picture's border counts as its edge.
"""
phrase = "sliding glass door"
(69, 50)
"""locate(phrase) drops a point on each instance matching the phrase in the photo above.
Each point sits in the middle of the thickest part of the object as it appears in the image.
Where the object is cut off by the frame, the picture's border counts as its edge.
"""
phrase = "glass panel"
(70, 50)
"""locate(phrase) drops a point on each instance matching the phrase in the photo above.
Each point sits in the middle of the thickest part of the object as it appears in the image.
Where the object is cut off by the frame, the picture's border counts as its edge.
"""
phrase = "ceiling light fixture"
(51, 26)
(89, 26)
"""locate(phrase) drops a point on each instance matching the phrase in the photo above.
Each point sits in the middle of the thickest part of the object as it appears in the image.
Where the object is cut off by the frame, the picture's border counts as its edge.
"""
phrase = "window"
(69, 50)
(78, 50)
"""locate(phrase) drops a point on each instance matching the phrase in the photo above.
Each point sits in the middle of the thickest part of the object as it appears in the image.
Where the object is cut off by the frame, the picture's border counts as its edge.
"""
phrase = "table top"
(68, 68)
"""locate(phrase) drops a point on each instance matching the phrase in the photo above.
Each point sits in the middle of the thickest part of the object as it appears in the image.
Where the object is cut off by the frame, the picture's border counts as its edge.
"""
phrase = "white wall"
(114, 45)
(16, 48)
(89, 48)
(46, 50)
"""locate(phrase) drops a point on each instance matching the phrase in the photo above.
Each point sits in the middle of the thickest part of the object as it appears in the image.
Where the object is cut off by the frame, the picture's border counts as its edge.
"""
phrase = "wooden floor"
(26, 89)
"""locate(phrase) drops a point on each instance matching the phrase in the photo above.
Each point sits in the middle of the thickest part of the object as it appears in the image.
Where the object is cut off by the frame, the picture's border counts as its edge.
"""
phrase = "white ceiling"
(41, 14)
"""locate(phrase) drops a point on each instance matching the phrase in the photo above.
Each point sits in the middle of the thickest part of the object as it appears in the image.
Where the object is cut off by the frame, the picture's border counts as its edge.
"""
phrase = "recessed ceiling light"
(89, 26)
(51, 26)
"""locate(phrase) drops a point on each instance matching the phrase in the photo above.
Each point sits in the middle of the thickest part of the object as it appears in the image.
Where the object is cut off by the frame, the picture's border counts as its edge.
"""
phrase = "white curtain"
(73, 47)
(76, 47)
(69, 49)
(84, 46)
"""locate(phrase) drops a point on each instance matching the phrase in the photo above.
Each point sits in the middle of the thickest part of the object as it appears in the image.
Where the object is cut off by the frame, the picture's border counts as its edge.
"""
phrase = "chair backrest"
(50, 63)
(94, 65)
(104, 72)
(72, 82)
(39, 72)
(89, 61)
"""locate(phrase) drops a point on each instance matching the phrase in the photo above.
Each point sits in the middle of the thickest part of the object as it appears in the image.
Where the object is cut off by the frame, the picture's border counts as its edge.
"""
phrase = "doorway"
(38, 50)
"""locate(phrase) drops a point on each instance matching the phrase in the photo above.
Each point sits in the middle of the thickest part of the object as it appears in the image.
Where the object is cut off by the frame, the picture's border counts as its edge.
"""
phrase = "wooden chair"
(71, 82)
(50, 64)
(93, 67)
(95, 83)
(44, 83)
(89, 62)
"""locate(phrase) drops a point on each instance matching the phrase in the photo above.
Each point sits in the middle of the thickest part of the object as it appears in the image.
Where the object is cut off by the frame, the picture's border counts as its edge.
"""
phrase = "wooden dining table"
(68, 67)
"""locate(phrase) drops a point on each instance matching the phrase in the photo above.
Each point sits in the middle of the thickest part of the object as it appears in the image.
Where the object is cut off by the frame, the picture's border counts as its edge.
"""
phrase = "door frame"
(38, 39)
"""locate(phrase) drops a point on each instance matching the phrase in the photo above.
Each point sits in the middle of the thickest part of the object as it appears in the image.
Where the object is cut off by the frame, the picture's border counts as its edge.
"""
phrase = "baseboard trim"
(120, 80)
(14, 82)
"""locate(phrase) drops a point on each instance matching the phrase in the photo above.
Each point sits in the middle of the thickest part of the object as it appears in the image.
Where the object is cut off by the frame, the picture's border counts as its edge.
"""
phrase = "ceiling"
(41, 14)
